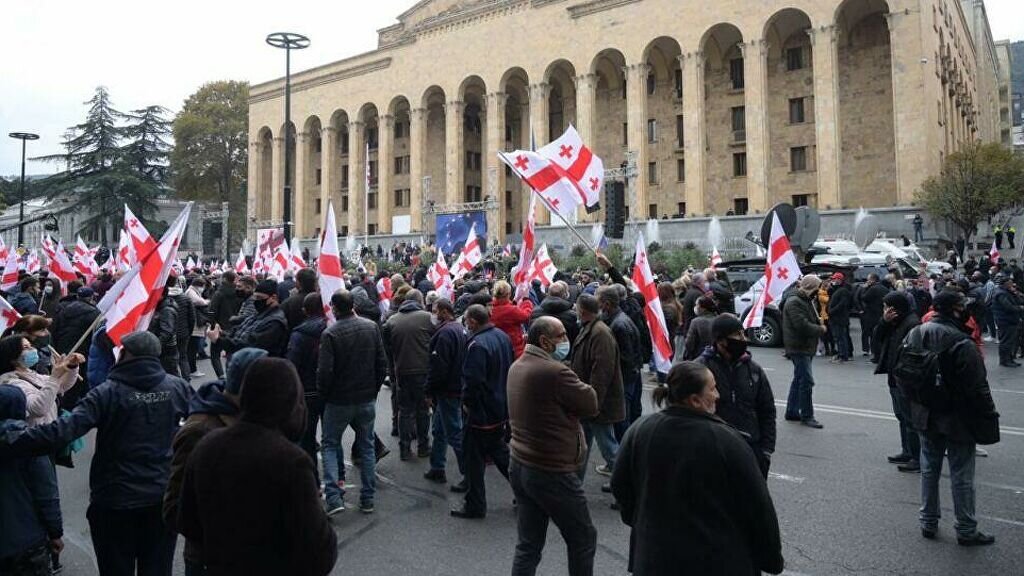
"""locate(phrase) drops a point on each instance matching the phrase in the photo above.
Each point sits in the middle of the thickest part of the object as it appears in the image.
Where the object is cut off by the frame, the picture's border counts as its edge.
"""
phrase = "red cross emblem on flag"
(783, 274)
(521, 162)
(566, 151)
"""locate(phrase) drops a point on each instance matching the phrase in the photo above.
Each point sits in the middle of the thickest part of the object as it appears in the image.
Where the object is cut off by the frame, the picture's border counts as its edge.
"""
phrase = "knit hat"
(271, 396)
(240, 362)
(724, 325)
(268, 287)
(810, 282)
(897, 301)
(141, 344)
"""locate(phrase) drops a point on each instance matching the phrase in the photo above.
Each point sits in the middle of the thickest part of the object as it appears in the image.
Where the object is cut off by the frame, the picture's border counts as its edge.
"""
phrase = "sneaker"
(988, 339)
(423, 451)
(928, 533)
(405, 454)
(606, 488)
(976, 539)
(980, 452)
(366, 507)
(910, 466)
(436, 476)
(603, 470)
(812, 423)
(333, 509)
(900, 458)
(197, 374)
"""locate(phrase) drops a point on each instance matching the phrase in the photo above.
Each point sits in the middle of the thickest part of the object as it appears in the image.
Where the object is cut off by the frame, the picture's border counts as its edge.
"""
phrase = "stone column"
(540, 121)
(636, 135)
(694, 136)
(252, 199)
(277, 180)
(586, 94)
(301, 186)
(417, 153)
(385, 169)
(455, 152)
(909, 104)
(329, 167)
(494, 178)
(755, 90)
(826, 115)
(356, 178)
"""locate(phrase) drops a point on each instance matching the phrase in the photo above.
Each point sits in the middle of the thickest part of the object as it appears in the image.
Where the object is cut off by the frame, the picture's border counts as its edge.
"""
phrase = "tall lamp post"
(288, 41)
(24, 137)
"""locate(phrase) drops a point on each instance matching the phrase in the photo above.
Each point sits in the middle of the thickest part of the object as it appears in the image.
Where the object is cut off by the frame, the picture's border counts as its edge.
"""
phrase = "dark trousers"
(844, 345)
(194, 342)
(314, 411)
(34, 562)
(799, 403)
(910, 442)
(477, 445)
(1007, 342)
(216, 349)
(867, 332)
(413, 412)
(128, 539)
(557, 497)
(633, 390)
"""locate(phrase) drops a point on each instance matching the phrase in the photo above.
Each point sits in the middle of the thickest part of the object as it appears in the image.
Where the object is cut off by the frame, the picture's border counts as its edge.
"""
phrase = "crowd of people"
(527, 378)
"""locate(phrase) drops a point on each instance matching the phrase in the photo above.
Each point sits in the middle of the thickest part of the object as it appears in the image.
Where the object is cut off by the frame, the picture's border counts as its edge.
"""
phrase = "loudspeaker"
(615, 209)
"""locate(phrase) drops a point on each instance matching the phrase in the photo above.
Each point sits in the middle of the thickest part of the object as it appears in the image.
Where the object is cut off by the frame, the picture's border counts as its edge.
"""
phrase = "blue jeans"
(798, 404)
(844, 345)
(447, 429)
(336, 418)
(961, 476)
(606, 443)
(633, 390)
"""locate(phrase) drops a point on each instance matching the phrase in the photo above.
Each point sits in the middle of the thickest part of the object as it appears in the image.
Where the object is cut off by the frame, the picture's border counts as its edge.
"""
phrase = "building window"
(344, 176)
(679, 130)
(739, 118)
(319, 176)
(473, 194)
(400, 130)
(402, 198)
(318, 144)
(736, 73)
(508, 227)
(740, 206)
(623, 86)
(801, 200)
(344, 231)
(652, 130)
(678, 83)
(739, 164)
(508, 199)
(316, 206)
(371, 137)
(344, 203)
(652, 172)
(402, 164)
(318, 232)
(798, 158)
(680, 170)
(344, 143)
(652, 82)
(625, 134)
(795, 58)
(796, 111)
(371, 229)
(371, 201)
(652, 211)
(373, 172)
(680, 209)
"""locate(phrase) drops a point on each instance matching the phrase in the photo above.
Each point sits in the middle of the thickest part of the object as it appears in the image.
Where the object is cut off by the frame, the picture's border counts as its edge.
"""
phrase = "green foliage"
(211, 149)
(670, 261)
(975, 184)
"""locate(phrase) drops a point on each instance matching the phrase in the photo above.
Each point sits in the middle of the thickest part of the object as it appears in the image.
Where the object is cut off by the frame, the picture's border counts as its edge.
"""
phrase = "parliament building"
(714, 108)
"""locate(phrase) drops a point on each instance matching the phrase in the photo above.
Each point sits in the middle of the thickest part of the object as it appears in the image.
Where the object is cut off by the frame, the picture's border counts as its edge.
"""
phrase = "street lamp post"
(288, 41)
(24, 137)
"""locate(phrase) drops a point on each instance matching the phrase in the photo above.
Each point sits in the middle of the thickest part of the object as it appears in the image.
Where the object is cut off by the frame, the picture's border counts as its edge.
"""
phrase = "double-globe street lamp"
(24, 137)
(288, 41)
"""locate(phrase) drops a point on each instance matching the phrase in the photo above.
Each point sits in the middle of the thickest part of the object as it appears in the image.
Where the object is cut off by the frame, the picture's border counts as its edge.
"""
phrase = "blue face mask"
(30, 358)
(561, 351)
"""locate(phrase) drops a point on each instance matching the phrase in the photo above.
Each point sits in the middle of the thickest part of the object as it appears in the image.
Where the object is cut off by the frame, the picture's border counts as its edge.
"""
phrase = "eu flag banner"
(453, 229)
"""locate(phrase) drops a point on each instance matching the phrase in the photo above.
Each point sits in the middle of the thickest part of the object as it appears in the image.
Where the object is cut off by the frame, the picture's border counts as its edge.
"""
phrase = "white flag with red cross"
(993, 253)
(330, 274)
(282, 261)
(8, 315)
(560, 193)
(124, 252)
(32, 264)
(440, 276)
(129, 304)
(297, 262)
(83, 260)
(10, 275)
(190, 264)
(528, 246)
(780, 270)
(542, 268)
(49, 248)
(655, 316)
(241, 267)
(578, 163)
(61, 267)
(141, 242)
(470, 255)
(3, 249)
(716, 258)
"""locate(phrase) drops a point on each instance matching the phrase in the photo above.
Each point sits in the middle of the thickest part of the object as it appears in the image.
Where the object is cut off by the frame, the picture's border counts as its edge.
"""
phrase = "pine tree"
(147, 151)
(99, 176)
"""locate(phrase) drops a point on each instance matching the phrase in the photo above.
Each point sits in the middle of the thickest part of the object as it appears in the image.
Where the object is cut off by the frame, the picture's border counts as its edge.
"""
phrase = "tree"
(147, 151)
(99, 177)
(210, 155)
(975, 183)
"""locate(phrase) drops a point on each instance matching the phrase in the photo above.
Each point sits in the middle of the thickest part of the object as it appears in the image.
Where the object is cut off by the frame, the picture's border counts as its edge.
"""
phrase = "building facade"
(718, 108)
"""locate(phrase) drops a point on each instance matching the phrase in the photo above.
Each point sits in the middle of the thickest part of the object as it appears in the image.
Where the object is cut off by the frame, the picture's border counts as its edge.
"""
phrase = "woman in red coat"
(509, 317)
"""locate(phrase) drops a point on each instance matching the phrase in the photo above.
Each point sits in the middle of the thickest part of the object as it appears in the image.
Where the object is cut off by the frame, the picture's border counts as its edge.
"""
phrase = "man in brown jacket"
(596, 361)
(546, 401)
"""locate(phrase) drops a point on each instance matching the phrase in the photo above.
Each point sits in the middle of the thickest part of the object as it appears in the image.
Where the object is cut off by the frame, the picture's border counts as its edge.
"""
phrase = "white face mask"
(48, 290)
(696, 310)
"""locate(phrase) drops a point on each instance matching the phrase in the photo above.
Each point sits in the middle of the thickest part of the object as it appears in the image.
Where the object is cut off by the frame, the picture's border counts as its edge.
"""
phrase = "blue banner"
(453, 229)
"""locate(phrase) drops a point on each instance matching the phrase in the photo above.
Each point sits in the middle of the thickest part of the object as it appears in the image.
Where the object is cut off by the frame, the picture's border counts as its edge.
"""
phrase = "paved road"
(842, 508)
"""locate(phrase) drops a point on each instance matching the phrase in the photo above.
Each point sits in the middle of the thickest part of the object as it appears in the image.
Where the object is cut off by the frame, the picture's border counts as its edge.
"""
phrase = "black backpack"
(918, 369)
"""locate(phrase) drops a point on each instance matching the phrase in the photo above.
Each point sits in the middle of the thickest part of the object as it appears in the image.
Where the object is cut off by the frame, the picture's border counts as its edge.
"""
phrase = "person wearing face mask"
(18, 359)
(245, 291)
(690, 488)
(37, 330)
(698, 335)
(745, 397)
(223, 305)
(26, 300)
(444, 387)
(136, 412)
(51, 296)
(249, 497)
(546, 401)
(267, 329)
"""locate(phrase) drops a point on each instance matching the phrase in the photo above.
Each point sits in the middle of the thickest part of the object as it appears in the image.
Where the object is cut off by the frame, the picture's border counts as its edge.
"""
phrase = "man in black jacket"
(267, 329)
(557, 304)
(137, 412)
(351, 369)
(745, 397)
(953, 415)
(223, 305)
(628, 339)
(304, 353)
(871, 295)
(897, 320)
(444, 387)
(840, 304)
(163, 325)
(305, 282)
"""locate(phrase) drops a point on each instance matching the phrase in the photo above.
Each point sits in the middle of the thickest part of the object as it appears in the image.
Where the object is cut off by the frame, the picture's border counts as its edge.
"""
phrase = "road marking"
(1003, 520)
(786, 478)
(878, 415)
(1005, 391)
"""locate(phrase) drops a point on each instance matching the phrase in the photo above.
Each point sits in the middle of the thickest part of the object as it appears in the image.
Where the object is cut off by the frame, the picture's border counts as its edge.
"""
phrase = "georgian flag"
(577, 161)
(716, 258)
(60, 266)
(470, 256)
(10, 276)
(32, 264)
(993, 254)
(780, 270)
(240, 265)
(49, 248)
(141, 242)
(542, 268)
(653, 313)
(83, 260)
(8, 315)
(440, 276)
(528, 246)
(124, 252)
(3, 249)
(282, 261)
(297, 263)
(190, 264)
(506, 252)
(559, 192)
(330, 274)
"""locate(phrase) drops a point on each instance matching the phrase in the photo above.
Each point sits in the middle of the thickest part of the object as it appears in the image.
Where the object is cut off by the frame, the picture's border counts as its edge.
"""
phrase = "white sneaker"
(988, 339)
(332, 511)
(603, 470)
(980, 452)
(198, 374)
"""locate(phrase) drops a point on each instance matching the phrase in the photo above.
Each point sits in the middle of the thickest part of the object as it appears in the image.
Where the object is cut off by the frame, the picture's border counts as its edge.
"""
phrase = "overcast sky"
(57, 51)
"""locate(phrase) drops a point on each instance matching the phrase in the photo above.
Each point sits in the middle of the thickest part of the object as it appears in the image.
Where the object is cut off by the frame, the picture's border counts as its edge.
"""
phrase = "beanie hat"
(897, 301)
(271, 397)
(268, 287)
(142, 343)
(810, 282)
(240, 362)
(724, 325)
